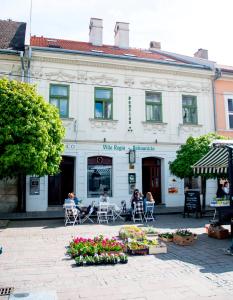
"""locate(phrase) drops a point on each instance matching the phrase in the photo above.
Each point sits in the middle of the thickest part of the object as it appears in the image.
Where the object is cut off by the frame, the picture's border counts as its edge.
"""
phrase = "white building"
(113, 99)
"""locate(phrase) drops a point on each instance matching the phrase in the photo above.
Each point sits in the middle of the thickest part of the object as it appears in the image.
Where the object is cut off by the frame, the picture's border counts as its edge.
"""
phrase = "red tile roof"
(105, 49)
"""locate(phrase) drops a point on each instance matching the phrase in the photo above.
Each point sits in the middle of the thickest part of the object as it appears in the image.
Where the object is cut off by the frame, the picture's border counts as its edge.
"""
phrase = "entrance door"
(151, 177)
(63, 183)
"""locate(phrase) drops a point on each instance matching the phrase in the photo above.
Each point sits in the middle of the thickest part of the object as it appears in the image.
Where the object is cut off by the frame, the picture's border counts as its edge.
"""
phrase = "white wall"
(128, 79)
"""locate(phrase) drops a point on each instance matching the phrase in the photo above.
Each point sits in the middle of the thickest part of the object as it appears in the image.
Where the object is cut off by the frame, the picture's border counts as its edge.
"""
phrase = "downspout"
(29, 64)
(22, 65)
(217, 75)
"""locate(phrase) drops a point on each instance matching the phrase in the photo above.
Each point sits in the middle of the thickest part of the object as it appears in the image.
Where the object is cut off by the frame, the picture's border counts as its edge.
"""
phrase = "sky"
(181, 26)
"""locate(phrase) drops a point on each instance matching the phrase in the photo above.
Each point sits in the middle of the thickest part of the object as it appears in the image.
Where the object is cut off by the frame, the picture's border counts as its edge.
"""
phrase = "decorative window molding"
(156, 127)
(189, 128)
(103, 124)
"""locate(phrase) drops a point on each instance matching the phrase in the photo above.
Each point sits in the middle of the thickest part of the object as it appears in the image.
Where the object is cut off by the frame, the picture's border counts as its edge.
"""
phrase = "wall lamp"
(132, 156)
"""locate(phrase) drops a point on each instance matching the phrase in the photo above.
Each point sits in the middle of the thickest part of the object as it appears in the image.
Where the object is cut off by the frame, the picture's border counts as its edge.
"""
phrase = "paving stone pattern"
(34, 259)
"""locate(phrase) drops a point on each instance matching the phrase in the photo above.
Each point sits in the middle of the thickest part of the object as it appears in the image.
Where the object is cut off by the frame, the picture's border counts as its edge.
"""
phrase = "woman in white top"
(104, 197)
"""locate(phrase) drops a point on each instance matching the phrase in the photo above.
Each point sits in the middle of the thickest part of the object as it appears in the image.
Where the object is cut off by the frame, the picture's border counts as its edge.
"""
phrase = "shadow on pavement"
(206, 253)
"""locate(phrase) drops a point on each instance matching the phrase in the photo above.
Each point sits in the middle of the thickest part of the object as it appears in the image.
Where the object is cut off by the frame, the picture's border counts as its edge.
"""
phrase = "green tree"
(189, 153)
(31, 132)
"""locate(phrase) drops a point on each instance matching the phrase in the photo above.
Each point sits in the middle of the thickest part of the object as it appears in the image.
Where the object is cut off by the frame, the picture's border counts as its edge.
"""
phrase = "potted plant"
(183, 237)
(150, 231)
(166, 236)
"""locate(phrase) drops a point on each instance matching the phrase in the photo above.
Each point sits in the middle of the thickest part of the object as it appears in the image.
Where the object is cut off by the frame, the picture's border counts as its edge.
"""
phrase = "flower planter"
(167, 240)
(157, 249)
(183, 240)
(144, 251)
(218, 232)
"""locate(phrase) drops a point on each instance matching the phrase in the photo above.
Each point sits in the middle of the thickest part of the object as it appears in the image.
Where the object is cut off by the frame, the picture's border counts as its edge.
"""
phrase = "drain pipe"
(29, 64)
(22, 65)
(217, 75)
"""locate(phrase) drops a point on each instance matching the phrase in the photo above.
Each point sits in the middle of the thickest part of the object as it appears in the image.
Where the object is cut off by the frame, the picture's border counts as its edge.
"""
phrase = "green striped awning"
(214, 162)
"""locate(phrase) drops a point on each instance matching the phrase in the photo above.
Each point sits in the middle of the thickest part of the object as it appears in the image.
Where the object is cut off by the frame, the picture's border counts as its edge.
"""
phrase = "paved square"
(34, 259)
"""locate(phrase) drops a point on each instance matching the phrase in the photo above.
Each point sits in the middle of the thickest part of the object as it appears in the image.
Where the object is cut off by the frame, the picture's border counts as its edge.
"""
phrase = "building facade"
(224, 100)
(126, 112)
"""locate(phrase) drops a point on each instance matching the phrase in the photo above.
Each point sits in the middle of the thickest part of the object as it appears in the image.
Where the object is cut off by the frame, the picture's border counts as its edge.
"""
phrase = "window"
(230, 112)
(189, 106)
(153, 107)
(99, 176)
(59, 97)
(103, 103)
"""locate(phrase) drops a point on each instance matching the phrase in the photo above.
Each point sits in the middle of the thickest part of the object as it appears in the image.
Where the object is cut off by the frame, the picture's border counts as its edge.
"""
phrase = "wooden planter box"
(157, 249)
(167, 240)
(218, 232)
(183, 240)
(144, 251)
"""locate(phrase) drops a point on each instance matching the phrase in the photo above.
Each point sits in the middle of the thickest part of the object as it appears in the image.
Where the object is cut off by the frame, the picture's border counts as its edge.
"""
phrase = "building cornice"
(100, 62)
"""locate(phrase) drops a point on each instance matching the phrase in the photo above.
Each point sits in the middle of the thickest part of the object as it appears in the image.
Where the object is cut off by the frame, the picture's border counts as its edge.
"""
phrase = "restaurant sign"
(115, 147)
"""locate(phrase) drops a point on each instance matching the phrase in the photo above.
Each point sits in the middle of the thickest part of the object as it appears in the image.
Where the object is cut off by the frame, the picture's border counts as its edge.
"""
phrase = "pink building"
(224, 100)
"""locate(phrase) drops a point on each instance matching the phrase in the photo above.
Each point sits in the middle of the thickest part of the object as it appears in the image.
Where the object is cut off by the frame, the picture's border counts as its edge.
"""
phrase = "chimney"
(96, 32)
(122, 35)
(201, 53)
(155, 45)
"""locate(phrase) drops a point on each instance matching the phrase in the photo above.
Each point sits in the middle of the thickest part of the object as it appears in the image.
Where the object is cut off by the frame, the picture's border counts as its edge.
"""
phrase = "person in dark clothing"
(220, 191)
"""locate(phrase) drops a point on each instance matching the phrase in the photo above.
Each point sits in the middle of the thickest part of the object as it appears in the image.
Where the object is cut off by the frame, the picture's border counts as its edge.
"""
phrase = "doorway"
(151, 177)
(61, 184)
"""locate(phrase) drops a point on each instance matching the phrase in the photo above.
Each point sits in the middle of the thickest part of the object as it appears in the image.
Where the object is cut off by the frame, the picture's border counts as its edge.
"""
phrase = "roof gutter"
(67, 51)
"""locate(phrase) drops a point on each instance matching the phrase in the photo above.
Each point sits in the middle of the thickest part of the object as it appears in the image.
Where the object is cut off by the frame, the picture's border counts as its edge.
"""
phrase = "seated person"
(76, 200)
(70, 200)
(136, 197)
(148, 198)
(104, 197)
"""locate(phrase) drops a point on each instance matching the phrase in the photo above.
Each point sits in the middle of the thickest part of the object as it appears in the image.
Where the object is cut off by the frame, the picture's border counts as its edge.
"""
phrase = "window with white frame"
(230, 112)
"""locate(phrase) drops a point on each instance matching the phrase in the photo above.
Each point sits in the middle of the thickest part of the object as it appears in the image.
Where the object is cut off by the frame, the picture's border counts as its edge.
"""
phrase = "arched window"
(99, 176)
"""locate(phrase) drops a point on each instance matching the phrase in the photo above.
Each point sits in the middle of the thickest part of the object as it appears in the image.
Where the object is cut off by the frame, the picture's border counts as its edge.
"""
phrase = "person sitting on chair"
(104, 197)
(136, 197)
(70, 200)
(148, 198)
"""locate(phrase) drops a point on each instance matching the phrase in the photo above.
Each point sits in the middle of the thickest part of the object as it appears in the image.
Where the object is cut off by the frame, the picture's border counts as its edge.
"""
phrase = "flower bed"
(92, 247)
(145, 247)
(102, 259)
(132, 232)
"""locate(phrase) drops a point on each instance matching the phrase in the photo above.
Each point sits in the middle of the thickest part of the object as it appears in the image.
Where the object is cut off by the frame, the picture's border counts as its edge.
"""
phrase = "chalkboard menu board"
(192, 203)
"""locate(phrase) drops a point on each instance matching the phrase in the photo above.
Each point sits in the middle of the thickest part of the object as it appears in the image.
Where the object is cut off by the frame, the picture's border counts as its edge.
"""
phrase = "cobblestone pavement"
(34, 259)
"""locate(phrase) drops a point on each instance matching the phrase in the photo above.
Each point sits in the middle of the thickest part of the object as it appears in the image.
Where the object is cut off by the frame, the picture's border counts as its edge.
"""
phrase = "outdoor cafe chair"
(102, 213)
(118, 211)
(72, 215)
(138, 211)
(88, 215)
(149, 211)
